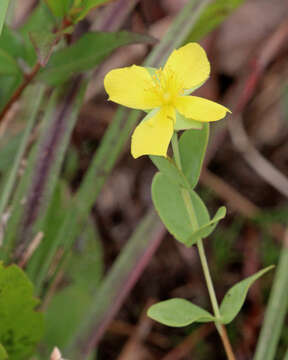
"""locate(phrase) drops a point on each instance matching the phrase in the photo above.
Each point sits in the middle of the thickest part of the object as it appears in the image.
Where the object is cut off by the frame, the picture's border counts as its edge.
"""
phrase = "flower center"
(166, 98)
(166, 86)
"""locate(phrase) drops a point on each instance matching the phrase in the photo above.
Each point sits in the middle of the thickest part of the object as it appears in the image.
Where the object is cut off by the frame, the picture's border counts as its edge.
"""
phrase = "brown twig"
(31, 249)
(122, 328)
(135, 342)
(185, 347)
(52, 290)
(237, 201)
(254, 158)
(229, 194)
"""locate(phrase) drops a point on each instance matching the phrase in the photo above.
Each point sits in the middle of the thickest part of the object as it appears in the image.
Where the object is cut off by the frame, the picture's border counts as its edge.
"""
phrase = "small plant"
(165, 95)
(56, 299)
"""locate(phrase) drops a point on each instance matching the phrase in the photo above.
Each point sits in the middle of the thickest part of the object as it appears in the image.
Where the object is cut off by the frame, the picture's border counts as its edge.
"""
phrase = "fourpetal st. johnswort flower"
(164, 93)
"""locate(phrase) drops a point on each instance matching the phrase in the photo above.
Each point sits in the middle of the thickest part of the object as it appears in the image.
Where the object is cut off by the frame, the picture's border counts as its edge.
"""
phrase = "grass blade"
(117, 285)
(276, 309)
(32, 109)
(3, 10)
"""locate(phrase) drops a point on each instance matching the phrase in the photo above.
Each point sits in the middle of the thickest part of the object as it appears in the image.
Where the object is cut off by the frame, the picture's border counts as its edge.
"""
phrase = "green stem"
(194, 222)
(276, 310)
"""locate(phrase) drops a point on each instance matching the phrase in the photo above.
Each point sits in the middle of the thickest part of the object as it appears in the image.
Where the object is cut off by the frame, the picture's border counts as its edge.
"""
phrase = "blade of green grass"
(36, 95)
(83, 273)
(42, 172)
(112, 292)
(19, 196)
(3, 10)
(276, 309)
(178, 32)
(51, 151)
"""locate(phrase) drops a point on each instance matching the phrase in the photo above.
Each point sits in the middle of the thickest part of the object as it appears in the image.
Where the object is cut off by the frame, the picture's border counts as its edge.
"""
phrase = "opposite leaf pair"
(180, 312)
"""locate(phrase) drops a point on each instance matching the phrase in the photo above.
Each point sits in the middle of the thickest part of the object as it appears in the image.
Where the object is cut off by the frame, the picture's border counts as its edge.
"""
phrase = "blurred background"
(246, 169)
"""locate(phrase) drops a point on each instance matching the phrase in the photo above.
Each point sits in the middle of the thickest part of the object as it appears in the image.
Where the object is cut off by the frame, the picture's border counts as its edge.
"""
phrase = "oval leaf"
(192, 147)
(178, 312)
(235, 297)
(168, 168)
(86, 54)
(169, 203)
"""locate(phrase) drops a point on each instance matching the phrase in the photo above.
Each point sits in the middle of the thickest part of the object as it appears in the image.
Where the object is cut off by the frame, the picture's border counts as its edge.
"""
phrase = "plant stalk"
(276, 310)
(203, 259)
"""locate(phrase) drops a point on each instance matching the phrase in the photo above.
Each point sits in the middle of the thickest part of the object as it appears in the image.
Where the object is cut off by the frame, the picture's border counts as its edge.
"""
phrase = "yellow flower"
(164, 93)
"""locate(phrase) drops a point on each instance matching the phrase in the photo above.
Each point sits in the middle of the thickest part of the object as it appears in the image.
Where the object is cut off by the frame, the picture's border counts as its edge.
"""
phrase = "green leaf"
(235, 297)
(86, 54)
(21, 327)
(3, 353)
(3, 10)
(59, 8)
(8, 66)
(192, 148)
(43, 42)
(212, 16)
(168, 167)
(40, 19)
(168, 201)
(178, 312)
(207, 229)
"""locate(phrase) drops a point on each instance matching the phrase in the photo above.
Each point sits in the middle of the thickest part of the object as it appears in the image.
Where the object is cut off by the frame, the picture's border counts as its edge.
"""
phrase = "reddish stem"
(18, 92)
(28, 78)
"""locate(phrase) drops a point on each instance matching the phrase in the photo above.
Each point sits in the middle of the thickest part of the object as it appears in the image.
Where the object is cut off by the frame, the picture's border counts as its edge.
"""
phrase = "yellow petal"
(152, 136)
(190, 64)
(200, 109)
(132, 87)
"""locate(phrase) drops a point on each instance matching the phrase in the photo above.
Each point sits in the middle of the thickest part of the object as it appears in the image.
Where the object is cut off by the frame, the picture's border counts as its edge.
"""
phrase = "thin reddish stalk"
(18, 92)
(29, 77)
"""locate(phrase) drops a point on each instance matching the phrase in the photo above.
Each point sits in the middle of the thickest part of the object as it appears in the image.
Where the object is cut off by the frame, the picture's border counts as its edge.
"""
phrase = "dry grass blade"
(254, 158)
(187, 345)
